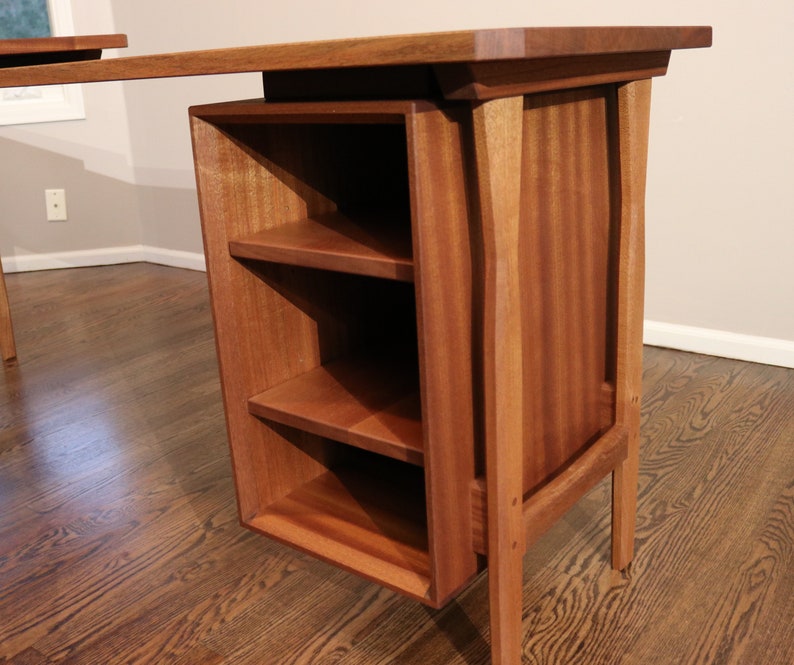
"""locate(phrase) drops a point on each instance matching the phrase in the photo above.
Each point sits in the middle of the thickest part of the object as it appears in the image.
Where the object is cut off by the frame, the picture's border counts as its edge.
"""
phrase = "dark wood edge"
(449, 47)
(61, 44)
(16, 53)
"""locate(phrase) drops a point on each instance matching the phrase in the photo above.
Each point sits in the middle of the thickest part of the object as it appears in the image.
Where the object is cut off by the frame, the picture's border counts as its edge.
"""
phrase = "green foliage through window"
(24, 18)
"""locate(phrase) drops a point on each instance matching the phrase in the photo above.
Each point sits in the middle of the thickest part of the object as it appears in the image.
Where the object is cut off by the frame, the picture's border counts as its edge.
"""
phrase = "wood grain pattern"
(371, 401)
(8, 349)
(566, 226)
(317, 161)
(256, 178)
(371, 523)
(64, 44)
(498, 149)
(464, 46)
(237, 204)
(489, 80)
(444, 326)
(371, 244)
(550, 502)
(119, 539)
(631, 133)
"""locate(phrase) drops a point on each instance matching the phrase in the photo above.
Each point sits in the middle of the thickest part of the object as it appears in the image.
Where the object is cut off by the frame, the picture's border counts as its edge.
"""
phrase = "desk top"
(470, 46)
(46, 50)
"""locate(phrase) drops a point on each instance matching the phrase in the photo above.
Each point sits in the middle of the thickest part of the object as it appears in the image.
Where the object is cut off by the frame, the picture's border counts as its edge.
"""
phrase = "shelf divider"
(368, 401)
(374, 244)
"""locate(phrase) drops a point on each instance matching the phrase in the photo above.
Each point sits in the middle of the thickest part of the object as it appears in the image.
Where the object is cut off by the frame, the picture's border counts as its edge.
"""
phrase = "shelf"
(316, 218)
(369, 401)
(369, 521)
(374, 244)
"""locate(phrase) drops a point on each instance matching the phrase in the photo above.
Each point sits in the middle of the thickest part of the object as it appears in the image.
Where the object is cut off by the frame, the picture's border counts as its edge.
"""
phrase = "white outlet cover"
(56, 205)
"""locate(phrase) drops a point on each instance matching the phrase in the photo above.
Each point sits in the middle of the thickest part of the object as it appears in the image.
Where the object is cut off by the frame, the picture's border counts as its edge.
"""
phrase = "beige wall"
(720, 211)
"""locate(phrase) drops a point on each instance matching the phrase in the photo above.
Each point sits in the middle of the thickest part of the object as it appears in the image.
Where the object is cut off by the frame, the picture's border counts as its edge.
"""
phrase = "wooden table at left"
(40, 51)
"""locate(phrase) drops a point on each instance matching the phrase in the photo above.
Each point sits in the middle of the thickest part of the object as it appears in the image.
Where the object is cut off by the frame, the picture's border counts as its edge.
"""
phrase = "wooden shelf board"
(372, 525)
(368, 401)
(377, 245)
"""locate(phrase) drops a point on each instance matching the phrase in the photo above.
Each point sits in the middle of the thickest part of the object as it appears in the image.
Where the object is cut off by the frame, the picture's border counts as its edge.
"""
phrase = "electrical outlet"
(56, 204)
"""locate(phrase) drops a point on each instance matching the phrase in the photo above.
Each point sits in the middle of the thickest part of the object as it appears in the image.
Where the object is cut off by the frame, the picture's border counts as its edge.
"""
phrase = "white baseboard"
(104, 257)
(764, 350)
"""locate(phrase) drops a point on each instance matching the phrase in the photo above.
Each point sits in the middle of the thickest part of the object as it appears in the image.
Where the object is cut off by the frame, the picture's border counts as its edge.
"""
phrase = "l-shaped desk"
(425, 258)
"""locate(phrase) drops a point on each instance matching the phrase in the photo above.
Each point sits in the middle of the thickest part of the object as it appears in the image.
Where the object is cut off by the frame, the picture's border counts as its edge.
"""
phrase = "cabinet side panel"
(261, 337)
(442, 268)
(565, 233)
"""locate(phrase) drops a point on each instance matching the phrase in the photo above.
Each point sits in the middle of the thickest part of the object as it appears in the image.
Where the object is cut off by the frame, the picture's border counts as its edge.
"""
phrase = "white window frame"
(50, 103)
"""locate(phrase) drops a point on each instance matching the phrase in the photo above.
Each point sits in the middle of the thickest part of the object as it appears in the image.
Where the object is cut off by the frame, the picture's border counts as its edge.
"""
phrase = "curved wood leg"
(633, 114)
(497, 137)
(7, 345)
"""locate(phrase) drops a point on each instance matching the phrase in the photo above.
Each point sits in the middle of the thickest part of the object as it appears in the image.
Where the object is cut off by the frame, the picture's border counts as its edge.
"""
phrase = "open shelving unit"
(344, 250)
(330, 330)
(428, 299)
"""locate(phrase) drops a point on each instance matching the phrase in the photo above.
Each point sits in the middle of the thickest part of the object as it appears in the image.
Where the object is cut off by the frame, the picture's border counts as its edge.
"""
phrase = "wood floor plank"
(119, 540)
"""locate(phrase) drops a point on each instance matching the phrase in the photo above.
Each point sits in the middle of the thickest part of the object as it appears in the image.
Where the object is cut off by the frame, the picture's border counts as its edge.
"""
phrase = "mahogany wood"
(400, 50)
(276, 180)
(566, 220)
(488, 80)
(378, 245)
(442, 242)
(499, 145)
(268, 466)
(631, 134)
(62, 44)
(46, 50)
(8, 348)
(370, 523)
(370, 401)
(549, 503)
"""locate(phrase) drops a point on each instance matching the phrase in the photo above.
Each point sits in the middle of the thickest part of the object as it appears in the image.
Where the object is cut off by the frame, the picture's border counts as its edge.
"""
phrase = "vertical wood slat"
(442, 274)
(7, 345)
(497, 141)
(631, 134)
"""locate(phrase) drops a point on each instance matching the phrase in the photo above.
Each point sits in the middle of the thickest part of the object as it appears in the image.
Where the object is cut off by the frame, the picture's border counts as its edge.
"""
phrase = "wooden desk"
(425, 257)
(17, 53)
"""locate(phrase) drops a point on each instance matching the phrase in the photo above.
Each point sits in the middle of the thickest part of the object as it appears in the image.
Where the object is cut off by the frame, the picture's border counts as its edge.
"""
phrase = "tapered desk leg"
(633, 113)
(497, 137)
(7, 346)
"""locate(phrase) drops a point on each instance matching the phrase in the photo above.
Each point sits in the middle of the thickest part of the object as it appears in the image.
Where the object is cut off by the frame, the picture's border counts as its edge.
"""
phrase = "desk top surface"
(43, 45)
(428, 49)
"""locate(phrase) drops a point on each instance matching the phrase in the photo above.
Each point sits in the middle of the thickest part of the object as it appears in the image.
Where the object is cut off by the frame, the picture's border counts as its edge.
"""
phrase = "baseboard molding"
(764, 350)
(104, 257)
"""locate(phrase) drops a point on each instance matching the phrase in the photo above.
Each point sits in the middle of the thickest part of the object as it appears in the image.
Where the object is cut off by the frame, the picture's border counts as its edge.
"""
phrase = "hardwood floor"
(119, 540)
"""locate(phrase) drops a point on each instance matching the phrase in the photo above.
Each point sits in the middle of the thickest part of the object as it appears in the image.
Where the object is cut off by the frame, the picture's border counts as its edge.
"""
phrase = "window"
(38, 18)
(19, 19)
